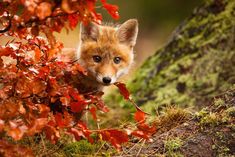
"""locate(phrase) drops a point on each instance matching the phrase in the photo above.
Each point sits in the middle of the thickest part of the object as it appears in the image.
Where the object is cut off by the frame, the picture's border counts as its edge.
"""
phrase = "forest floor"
(207, 133)
(181, 132)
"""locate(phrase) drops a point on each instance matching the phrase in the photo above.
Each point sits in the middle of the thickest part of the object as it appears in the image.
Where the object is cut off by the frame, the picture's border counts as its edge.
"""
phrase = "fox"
(106, 52)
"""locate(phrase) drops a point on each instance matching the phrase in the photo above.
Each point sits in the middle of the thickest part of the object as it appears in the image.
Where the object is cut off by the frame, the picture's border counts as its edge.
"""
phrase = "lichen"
(172, 146)
(196, 65)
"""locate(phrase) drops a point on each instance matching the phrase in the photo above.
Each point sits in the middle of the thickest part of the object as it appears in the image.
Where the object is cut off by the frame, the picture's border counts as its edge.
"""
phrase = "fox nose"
(106, 80)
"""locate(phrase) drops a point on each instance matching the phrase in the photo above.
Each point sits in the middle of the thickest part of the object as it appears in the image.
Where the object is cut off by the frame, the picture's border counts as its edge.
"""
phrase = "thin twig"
(137, 107)
(99, 149)
(132, 147)
(43, 143)
(140, 148)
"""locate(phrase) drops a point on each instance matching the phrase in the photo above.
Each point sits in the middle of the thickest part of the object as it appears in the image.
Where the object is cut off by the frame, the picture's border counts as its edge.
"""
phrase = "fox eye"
(97, 58)
(117, 60)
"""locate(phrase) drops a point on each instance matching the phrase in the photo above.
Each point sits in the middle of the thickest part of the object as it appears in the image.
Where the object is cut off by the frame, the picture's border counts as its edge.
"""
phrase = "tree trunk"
(195, 65)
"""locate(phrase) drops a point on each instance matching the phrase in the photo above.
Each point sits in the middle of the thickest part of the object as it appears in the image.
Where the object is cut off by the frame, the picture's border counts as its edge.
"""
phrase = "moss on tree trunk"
(195, 65)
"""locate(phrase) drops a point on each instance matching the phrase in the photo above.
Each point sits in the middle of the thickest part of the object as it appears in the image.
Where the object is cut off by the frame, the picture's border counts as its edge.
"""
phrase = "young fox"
(106, 52)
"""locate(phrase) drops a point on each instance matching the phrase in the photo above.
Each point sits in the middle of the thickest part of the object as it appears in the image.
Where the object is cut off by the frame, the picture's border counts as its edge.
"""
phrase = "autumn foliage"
(36, 92)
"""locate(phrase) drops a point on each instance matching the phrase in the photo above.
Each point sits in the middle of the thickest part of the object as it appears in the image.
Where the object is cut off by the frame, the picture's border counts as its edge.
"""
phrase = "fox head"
(107, 52)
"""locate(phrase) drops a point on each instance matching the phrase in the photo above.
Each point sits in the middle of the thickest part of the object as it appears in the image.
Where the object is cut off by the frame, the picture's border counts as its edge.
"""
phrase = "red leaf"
(52, 123)
(38, 86)
(77, 133)
(4, 91)
(16, 129)
(93, 112)
(139, 116)
(82, 125)
(44, 72)
(96, 99)
(66, 6)
(59, 120)
(73, 20)
(97, 17)
(7, 51)
(15, 133)
(90, 5)
(2, 125)
(140, 134)
(123, 90)
(63, 120)
(43, 110)
(52, 134)
(43, 10)
(112, 10)
(115, 137)
(146, 128)
(78, 68)
(85, 131)
(100, 104)
(37, 54)
(144, 131)
(13, 150)
(103, 1)
(78, 106)
(37, 126)
(75, 95)
(65, 100)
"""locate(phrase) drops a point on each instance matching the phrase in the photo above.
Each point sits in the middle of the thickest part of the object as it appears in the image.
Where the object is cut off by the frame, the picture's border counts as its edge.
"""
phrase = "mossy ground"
(181, 132)
(209, 132)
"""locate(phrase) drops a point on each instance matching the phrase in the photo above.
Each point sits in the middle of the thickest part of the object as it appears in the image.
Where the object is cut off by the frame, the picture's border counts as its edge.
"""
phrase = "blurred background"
(157, 20)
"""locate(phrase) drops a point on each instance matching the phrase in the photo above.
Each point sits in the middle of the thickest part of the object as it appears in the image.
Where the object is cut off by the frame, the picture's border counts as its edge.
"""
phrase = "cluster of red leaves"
(37, 94)
(143, 130)
(22, 18)
(16, 150)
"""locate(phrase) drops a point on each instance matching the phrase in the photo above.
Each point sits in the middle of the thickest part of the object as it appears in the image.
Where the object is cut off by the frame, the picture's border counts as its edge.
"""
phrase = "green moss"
(202, 113)
(172, 146)
(230, 112)
(210, 119)
(82, 147)
(219, 102)
(194, 66)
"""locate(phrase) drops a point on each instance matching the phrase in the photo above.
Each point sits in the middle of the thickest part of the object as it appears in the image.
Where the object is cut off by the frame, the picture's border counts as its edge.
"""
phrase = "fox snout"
(106, 80)
(111, 75)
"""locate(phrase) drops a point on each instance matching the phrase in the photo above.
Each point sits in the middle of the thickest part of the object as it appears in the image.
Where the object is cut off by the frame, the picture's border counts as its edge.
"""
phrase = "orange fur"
(108, 43)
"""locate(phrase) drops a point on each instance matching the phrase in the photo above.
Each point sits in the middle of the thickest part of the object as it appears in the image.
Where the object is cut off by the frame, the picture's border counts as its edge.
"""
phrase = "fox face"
(107, 52)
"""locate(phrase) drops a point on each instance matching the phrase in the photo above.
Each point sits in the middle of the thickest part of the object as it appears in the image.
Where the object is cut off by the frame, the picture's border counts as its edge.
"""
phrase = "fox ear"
(89, 32)
(127, 32)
